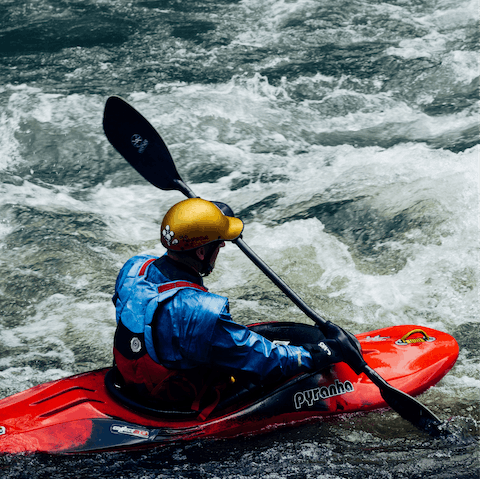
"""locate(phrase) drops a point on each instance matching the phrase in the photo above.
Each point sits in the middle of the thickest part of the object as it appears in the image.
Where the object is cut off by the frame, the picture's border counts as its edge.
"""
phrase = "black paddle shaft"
(277, 281)
(141, 145)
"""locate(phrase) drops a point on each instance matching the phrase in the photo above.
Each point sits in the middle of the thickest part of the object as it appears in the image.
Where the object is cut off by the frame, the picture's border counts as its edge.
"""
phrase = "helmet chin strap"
(202, 266)
(206, 266)
(206, 271)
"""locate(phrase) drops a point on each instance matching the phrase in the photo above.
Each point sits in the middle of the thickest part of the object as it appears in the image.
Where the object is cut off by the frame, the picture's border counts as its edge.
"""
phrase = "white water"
(343, 134)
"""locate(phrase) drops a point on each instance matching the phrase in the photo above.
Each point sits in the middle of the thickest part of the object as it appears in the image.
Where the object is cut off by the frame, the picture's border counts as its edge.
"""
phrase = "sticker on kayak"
(377, 338)
(2, 430)
(316, 394)
(129, 431)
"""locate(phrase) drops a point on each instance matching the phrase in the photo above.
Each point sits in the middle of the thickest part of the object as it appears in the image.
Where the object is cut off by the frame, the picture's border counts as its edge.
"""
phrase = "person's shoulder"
(194, 293)
(201, 298)
(133, 266)
(201, 290)
(143, 257)
(138, 259)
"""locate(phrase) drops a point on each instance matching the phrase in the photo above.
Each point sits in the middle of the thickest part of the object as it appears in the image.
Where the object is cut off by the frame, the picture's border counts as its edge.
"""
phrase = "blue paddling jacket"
(170, 330)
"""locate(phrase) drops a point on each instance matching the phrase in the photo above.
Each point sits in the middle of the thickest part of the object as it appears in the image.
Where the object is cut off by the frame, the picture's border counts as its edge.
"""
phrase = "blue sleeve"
(235, 347)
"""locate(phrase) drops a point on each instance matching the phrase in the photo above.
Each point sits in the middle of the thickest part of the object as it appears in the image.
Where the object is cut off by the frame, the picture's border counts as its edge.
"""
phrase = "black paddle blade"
(141, 145)
(408, 407)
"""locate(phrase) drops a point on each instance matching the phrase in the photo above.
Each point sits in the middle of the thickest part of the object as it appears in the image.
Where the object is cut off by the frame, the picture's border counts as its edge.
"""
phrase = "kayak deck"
(79, 415)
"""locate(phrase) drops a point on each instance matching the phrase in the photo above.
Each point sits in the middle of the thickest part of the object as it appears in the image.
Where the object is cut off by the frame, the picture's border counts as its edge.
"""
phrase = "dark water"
(344, 133)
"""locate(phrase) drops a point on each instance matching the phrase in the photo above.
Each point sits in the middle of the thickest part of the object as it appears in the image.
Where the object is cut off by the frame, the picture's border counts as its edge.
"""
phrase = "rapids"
(343, 133)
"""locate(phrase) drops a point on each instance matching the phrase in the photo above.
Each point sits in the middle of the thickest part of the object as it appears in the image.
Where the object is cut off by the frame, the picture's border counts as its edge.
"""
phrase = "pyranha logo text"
(313, 395)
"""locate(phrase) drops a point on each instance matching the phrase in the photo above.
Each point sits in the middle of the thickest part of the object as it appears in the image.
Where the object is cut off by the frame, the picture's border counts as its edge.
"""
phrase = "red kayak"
(91, 412)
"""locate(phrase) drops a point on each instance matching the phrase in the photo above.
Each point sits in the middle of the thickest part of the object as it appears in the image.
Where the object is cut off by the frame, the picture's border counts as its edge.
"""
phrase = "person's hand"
(348, 344)
(325, 353)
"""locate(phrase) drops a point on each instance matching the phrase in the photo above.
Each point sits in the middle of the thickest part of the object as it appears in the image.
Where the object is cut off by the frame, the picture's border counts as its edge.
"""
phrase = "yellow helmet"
(195, 222)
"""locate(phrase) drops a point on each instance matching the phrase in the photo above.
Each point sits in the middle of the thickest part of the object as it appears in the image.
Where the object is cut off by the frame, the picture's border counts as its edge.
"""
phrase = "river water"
(343, 132)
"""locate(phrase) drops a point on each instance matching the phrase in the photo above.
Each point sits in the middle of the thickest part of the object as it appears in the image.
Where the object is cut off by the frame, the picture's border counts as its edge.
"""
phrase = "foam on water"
(9, 153)
(57, 341)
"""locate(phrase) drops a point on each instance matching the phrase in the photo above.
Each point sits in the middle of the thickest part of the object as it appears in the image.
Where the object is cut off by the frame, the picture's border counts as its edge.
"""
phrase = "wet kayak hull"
(83, 413)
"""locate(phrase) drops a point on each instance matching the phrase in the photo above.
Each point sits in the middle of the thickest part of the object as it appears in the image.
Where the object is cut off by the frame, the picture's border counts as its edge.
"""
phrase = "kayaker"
(176, 342)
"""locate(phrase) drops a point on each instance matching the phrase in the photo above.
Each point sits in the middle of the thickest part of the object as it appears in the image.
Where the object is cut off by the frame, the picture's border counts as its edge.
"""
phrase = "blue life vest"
(138, 358)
